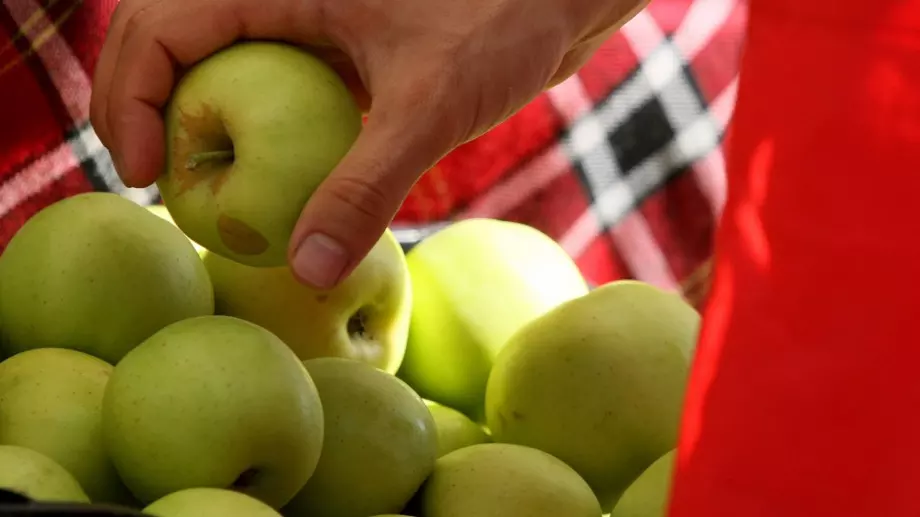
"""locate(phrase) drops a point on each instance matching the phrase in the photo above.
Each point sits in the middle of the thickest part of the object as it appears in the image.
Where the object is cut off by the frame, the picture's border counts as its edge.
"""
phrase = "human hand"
(432, 75)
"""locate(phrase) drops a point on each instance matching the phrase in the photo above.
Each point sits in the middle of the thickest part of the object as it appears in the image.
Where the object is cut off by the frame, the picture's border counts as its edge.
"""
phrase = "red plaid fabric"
(622, 163)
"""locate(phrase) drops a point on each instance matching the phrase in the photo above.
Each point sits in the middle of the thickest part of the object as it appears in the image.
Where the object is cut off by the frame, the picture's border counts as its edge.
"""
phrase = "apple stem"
(197, 159)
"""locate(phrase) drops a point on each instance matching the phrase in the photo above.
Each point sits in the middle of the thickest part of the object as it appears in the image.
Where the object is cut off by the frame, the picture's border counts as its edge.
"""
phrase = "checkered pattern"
(622, 163)
(47, 148)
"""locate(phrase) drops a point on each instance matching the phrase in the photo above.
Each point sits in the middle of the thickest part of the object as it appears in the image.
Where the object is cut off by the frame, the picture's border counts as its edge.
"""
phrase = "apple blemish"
(239, 237)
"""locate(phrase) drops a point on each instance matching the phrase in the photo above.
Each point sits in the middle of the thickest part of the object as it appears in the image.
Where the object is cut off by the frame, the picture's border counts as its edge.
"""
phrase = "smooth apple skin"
(38, 477)
(213, 402)
(381, 443)
(598, 382)
(366, 317)
(209, 502)
(97, 273)
(163, 213)
(505, 480)
(455, 430)
(649, 494)
(288, 119)
(474, 283)
(51, 402)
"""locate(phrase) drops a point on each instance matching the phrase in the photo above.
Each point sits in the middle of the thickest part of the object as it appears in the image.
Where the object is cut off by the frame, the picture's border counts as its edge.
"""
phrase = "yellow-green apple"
(649, 494)
(598, 382)
(98, 273)
(455, 430)
(505, 480)
(474, 283)
(209, 502)
(38, 477)
(365, 317)
(51, 402)
(216, 402)
(251, 131)
(163, 213)
(380, 443)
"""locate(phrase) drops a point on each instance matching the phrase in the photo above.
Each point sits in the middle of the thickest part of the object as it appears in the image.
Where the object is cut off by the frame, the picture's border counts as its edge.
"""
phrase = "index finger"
(160, 41)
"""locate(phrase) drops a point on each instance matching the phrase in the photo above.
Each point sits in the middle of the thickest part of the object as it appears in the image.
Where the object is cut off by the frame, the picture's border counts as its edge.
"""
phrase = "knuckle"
(367, 199)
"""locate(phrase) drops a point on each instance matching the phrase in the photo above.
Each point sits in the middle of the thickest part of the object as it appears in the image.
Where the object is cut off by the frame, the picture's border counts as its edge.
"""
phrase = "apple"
(598, 382)
(455, 430)
(38, 477)
(213, 401)
(505, 480)
(51, 402)
(163, 213)
(97, 273)
(380, 443)
(209, 502)
(474, 283)
(365, 317)
(649, 494)
(251, 131)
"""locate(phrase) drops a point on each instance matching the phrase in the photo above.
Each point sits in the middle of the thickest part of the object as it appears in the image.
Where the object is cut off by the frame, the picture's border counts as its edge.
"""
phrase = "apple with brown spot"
(251, 132)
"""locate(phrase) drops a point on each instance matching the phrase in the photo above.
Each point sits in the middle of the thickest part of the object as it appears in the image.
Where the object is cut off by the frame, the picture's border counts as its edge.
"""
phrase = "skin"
(420, 71)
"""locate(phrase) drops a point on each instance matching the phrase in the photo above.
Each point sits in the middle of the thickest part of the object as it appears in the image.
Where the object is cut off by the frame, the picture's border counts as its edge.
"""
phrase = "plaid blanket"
(622, 163)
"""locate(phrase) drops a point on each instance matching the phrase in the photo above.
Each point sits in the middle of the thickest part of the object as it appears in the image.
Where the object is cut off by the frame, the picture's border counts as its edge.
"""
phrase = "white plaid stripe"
(661, 79)
(588, 146)
(709, 171)
(532, 177)
(73, 85)
(590, 130)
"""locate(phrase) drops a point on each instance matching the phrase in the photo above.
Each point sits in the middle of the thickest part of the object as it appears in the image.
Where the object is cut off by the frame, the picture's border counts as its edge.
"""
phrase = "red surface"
(804, 399)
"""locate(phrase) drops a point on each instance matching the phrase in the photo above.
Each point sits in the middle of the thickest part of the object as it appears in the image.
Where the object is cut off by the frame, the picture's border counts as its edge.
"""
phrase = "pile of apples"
(168, 360)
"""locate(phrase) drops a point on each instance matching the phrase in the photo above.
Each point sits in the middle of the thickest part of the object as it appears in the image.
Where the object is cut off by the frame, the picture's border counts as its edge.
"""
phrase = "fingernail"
(320, 261)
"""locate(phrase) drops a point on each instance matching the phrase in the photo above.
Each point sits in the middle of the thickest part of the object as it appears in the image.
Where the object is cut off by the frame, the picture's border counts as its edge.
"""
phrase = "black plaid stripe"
(655, 125)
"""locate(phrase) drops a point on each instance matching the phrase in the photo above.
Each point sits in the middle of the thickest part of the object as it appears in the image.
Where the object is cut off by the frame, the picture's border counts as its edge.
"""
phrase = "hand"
(432, 75)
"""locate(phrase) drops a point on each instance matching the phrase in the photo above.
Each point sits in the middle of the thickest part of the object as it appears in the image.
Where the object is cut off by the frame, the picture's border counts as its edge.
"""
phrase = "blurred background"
(622, 164)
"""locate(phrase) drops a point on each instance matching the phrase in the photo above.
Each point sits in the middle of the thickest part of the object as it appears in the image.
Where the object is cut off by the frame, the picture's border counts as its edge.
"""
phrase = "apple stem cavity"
(198, 159)
(245, 480)
(356, 325)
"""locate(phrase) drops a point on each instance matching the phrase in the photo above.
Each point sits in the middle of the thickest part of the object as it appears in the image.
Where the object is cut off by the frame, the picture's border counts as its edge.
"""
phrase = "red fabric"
(804, 395)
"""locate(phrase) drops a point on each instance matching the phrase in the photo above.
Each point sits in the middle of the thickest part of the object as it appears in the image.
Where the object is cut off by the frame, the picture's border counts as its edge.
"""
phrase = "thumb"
(352, 207)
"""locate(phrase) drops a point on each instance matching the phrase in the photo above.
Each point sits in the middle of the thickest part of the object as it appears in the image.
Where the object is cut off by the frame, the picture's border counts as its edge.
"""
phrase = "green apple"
(365, 317)
(649, 494)
(51, 402)
(380, 443)
(598, 382)
(474, 283)
(251, 131)
(455, 430)
(216, 402)
(505, 480)
(209, 502)
(163, 213)
(97, 273)
(37, 476)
